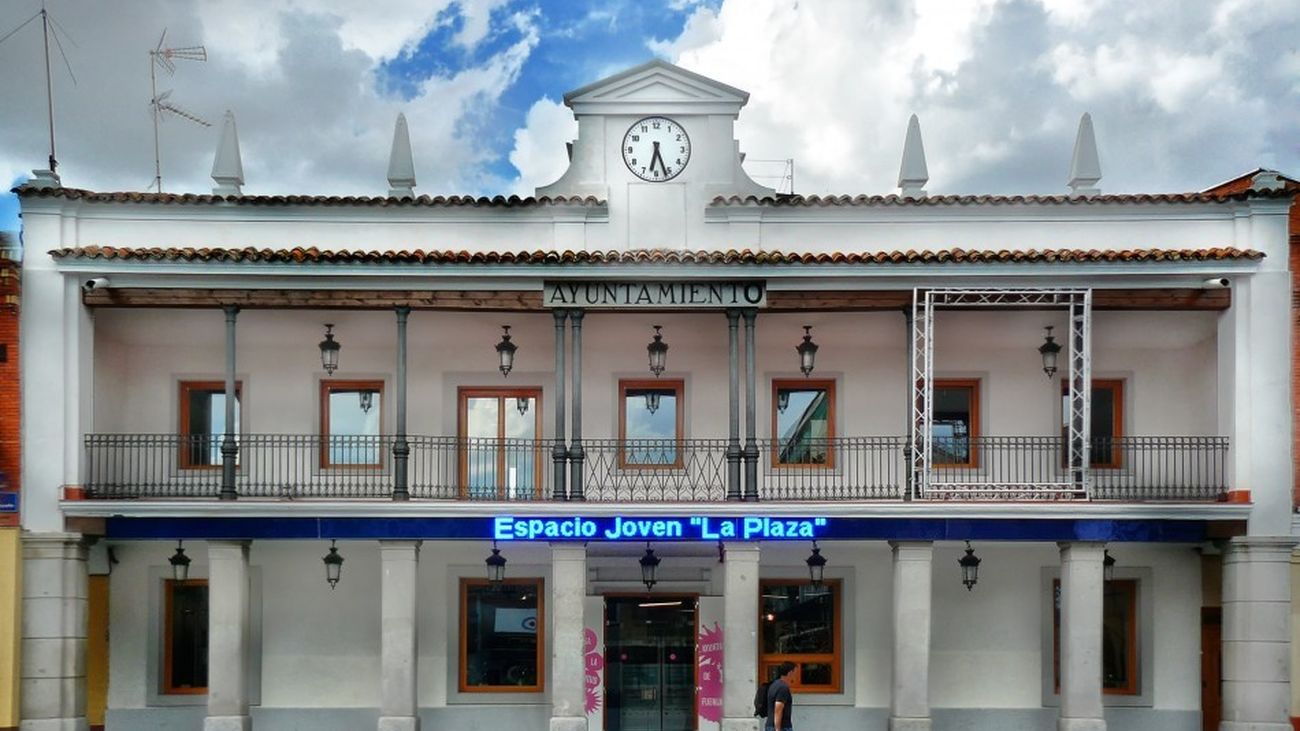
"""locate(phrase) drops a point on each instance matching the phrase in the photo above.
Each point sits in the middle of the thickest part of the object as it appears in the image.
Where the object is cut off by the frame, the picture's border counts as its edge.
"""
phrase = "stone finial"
(44, 179)
(1267, 180)
(401, 166)
(227, 167)
(1085, 167)
(913, 174)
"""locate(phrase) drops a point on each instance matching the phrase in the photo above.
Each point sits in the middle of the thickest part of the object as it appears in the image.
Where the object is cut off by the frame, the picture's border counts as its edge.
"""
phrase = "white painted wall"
(320, 648)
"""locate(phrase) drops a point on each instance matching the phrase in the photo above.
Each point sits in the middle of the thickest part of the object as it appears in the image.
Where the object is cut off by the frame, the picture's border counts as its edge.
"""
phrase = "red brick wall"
(1237, 186)
(10, 397)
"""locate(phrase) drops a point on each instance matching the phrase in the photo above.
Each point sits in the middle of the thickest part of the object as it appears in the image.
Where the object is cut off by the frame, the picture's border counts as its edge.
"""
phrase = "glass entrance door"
(650, 663)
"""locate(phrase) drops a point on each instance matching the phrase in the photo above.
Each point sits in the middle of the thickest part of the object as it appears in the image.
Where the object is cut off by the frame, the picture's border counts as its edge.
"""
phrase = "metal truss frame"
(1078, 302)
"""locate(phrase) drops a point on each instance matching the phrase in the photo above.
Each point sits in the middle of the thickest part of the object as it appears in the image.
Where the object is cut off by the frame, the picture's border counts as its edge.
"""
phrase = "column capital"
(1259, 548)
(745, 551)
(1082, 550)
(400, 547)
(568, 551)
(913, 550)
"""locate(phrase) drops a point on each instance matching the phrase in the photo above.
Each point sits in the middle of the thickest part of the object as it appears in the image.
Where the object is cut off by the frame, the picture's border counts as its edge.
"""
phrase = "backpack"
(760, 700)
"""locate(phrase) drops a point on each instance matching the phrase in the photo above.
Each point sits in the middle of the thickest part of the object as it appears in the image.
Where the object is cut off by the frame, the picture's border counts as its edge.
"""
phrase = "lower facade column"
(399, 568)
(53, 661)
(1257, 634)
(740, 636)
(909, 698)
(1081, 622)
(568, 595)
(228, 619)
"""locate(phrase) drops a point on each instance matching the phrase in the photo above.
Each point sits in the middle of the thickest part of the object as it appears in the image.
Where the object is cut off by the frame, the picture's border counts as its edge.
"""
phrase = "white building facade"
(177, 388)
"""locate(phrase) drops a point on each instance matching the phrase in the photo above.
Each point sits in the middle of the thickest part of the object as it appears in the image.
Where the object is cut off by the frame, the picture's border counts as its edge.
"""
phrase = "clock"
(656, 149)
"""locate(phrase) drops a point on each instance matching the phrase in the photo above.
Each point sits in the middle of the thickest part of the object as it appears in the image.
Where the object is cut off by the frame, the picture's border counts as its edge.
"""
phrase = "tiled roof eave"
(733, 257)
(423, 201)
(887, 201)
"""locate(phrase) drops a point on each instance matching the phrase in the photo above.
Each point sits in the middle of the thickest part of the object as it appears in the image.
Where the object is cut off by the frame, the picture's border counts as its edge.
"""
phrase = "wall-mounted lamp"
(658, 352)
(816, 565)
(649, 567)
(1049, 350)
(180, 563)
(506, 351)
(329, 351)
(970, 567)
(496, 566)
(1108, 566)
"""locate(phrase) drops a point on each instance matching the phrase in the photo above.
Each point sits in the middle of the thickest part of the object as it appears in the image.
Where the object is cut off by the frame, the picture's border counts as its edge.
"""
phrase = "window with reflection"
(803, 422)
(203, 421)
(502, 632)
(185, 637)
(351, 414)
(1119, 640)
(650, 423)
(955, 423)
(501, 456)
(800, 623)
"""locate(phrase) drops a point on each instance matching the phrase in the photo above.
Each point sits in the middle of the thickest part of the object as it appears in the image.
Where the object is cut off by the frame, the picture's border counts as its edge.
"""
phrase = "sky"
(1183, 93)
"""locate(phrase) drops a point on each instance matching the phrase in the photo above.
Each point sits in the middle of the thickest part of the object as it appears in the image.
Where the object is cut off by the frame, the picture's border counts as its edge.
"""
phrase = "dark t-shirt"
(779, 691)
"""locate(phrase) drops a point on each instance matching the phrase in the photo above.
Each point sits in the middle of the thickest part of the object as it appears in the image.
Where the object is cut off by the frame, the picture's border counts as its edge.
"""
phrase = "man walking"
(779, 703)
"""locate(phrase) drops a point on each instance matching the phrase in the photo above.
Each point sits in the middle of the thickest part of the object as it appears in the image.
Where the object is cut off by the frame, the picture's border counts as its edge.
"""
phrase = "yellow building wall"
(1295, 634)
(97, 652)
(10, 623)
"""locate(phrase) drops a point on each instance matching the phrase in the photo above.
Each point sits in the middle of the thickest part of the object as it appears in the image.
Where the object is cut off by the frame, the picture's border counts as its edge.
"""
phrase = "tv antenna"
(50, 28)
(163, 58)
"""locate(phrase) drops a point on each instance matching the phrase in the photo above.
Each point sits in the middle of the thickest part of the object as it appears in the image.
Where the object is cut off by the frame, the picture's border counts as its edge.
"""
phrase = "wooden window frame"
(1116, 386)
(185, 389)
(1132, 588)
(463, 395)
(326, 389)
(974, 385)
(836, 658)
(168, 634)
(667, 384)
(806, 383)
(463, 655)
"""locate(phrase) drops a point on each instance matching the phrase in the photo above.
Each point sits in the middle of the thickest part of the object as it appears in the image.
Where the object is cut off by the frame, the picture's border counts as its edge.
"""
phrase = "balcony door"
(499, 452)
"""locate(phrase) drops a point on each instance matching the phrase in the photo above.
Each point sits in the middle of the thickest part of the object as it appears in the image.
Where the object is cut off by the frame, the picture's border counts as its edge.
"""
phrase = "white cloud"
(539, 153)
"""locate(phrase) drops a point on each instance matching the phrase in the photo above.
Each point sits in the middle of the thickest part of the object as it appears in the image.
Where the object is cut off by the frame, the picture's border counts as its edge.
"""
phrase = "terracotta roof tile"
(818, 201)
(313, 255)
(306, 200)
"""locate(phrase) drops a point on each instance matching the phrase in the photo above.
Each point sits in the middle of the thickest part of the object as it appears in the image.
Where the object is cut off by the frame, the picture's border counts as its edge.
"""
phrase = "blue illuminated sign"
(8, 502)
(625, 528)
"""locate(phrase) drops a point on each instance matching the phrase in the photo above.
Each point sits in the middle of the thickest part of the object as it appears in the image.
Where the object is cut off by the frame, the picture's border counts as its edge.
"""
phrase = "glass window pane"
(187, 643)
(205, 424)
(650, 425)
(953, 424)
(501, 635)
(482, 421)
(815, 673)
(803, 425)
(798, 619)
(520, 451)
(1116, 641)
(353, 424)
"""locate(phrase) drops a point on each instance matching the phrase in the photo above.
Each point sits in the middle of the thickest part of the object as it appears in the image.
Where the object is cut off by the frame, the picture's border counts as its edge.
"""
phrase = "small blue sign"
(622, 528)
(8, 502)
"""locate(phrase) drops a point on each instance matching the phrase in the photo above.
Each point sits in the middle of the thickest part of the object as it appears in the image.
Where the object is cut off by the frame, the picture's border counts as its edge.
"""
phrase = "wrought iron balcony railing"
(287, 466)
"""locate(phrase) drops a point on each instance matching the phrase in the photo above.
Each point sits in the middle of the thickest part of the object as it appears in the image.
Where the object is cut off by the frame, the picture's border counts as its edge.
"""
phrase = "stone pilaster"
(1257, 634)
(1082, 598)
(399, 566)
(909, 698)
(568, 595)
(740, 636)
(228, 631)
(53, 662)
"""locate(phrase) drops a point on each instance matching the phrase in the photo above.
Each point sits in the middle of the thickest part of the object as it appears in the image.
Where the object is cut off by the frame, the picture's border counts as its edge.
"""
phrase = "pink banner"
(593, 664)
(709, 652)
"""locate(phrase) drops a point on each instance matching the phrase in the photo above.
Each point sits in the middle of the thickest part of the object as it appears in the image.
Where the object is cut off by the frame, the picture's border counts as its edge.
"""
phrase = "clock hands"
(657, 156)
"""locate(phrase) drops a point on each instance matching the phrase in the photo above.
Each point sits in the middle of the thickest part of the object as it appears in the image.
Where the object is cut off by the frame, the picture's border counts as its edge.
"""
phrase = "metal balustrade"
(287, 467)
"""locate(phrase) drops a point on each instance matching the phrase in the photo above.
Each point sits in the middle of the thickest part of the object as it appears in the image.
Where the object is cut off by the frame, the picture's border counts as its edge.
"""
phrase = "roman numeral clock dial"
(656, 149)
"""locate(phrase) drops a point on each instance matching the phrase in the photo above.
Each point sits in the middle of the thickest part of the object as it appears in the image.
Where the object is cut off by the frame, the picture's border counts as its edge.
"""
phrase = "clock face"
(656, 149)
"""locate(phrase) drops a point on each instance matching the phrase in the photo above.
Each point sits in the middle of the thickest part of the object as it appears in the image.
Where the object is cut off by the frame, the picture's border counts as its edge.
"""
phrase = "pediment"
(656, 83)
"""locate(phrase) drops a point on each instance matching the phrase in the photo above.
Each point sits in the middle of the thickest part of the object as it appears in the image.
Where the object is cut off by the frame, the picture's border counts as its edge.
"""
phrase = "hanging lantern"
(816, 565)
(496, 566)
(1108, 566)
(970, 567)
(649, 567)
(521, 404)
(652, 401)
(658, 351)
(367, 399)
(333, 565)
(329, 351)
(782, 400)
(506, 351)
(180, 563)
(807, 351)
(1049, 350)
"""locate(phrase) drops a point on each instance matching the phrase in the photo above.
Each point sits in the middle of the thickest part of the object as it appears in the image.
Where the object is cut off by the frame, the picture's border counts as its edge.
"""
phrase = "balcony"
(994, 468)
